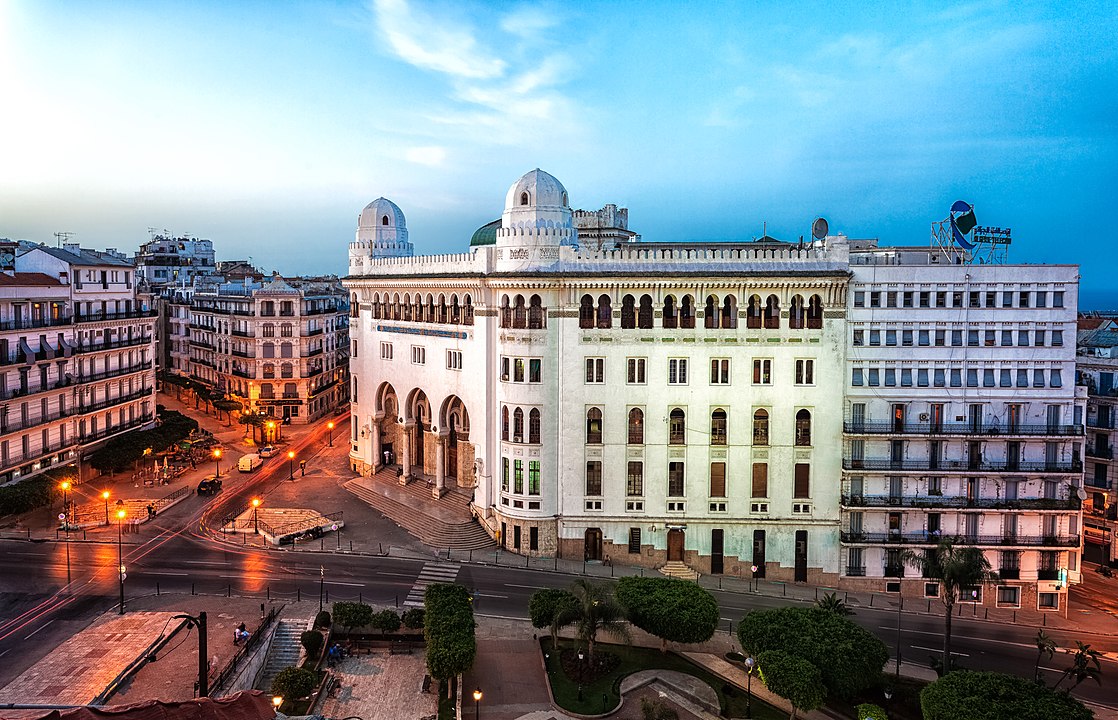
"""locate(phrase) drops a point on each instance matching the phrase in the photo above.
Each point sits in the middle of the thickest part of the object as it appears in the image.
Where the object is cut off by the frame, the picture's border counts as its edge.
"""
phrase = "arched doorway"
(418, 416)
(456, 421)
(592, 544)
(420, 429)
(675, 545)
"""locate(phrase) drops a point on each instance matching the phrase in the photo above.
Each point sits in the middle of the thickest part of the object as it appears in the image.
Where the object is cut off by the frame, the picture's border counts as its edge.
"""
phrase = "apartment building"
(1097, 369)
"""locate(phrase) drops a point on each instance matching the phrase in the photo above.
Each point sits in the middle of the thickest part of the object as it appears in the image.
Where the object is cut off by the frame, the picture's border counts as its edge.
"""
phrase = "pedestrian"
(387, 457)
(151, 511)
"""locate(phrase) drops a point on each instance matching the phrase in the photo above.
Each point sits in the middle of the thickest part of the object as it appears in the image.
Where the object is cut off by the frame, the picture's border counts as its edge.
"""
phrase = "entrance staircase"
(283, 652)
(679, 570)
(443, 523)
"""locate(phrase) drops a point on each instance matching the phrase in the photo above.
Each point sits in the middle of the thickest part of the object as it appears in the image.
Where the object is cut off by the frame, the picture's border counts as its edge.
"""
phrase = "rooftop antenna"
(62, 237)
(151, 233)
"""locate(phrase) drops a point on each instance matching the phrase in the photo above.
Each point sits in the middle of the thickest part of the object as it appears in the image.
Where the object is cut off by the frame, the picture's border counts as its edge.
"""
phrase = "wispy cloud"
(432, 156)
(422, 40)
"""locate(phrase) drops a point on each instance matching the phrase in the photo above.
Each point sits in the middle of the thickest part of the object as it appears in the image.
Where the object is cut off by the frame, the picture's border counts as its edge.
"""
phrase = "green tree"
(227, 406)
(547, 606)
(960, 570)
(252, 422)
(448, 628)
(831, 601)
(970, 695)
(386, 621)
(350, 615)
(792, 678)
(312, 641)
(671, 609)
(869, 711)
(1084, 666)
(848, 657)
(293, 683)
(594, 610)
(413, 618)
(1045, 645)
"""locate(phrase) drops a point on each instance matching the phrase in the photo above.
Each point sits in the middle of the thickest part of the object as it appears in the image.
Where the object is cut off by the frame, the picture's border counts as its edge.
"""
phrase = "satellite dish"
(819, 229)
(1081, 494)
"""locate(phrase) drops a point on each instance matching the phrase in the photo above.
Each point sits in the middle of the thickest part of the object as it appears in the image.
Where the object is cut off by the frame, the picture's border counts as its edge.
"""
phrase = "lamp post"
(277, 700)
(217, 463)
(580, 656)
(271, 431)
(65, 485)
(330, 429)
(255, 522)
(750, 663)
(291, 465)
(120, 513)
(477, 703)
(105, 497)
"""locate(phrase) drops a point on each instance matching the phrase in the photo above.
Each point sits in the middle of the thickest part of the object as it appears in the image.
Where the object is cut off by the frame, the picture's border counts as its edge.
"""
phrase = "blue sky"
(268, 126)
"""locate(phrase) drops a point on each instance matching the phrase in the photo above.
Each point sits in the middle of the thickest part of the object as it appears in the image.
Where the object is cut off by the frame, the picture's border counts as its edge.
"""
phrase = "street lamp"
(580, 656)
(291, 465)
(271, 430)
(477, 703)
(277, 701)
(120, 514)
(217, 463)
(750, 663)
(255, 524)
(330, 428)
(65, 485)
(105, 497)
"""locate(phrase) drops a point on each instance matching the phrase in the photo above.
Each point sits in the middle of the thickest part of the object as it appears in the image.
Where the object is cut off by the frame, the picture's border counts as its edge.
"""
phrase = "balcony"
(927, 465)
(1047, 574)
(311, 353)
(201, 343)
(203, 361)
(1100, 423)
(106, 432)
(312, 333)
(856, 570)
(115, 317)
(922, 538)
(887, 427)
(242, 333)
(114, 345)
(1105, 452)
(939, 501)
(139, 367)
(242, 373)
(1009, 573)
(1097, 484)
(894, 571)
(102, 404)
(241, 353)
(33, 323)
(287, 313)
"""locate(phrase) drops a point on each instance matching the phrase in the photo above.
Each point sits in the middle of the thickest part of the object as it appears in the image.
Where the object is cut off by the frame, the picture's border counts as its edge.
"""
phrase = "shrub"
(672, 610)
(322, 619)
(413, 618)
(953, 697)
(869, 711)
(313, 641)
(792, 678)
(27, 495)
(351, 615)
(293, 683)
(386, 621)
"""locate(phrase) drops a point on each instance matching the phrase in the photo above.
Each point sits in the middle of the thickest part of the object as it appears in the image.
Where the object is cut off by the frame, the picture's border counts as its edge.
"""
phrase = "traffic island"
(283, 526)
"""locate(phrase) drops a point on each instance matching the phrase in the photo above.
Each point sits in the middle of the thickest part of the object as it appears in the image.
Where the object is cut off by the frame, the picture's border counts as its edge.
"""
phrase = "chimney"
(73, 248)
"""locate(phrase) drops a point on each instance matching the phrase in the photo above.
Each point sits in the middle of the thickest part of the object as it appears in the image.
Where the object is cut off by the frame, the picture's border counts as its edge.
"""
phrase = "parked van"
(249, 462)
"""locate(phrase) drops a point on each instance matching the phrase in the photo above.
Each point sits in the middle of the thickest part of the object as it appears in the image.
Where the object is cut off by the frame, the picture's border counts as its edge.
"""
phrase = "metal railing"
(923, 538)
(1105, 453)
(939, 501)
(104, 374)
(218, 678)
(1059, 466)
(170, 498)
(886, 427)
(102, 317)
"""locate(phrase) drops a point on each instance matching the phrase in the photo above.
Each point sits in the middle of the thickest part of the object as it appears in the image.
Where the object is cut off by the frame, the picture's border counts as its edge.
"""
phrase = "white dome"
(382, 213)
(536, 189)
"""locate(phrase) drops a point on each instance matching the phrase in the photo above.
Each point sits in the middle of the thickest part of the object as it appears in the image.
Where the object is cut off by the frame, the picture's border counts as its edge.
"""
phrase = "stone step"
(466, 535)
(679, 570)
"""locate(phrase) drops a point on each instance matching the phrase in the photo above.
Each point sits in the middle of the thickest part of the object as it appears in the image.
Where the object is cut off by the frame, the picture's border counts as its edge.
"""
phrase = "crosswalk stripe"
(430, 574)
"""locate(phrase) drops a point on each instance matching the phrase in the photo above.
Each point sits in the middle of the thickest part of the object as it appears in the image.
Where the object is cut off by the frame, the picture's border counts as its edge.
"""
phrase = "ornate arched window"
(520, 313)
(523, 198)
(753, 312)
(534, 426)
(761, 427)
(796, 313)
(729, 312)
(671, 320)
(718, 427)
(628, 312)
(593, 426)
(468, 317)
(605, 312)
(518, 425)
(354, 307)
(644, 316)
(687, 312)
(506, 312)
(586, 312)
(677, 427)
(504, 423)
(636, 426)
(772, 313)
(537, 316)
(384, 220)
(710, 313)
(803, 428)
(815, 313)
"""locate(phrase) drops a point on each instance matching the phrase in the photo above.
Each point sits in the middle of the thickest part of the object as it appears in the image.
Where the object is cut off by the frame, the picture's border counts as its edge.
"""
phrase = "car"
(209, 486)
(268, 451)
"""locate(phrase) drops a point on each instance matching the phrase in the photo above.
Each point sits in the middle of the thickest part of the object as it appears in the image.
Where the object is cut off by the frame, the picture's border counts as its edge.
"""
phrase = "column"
(405, 450)
(374, 429)
(440, 459)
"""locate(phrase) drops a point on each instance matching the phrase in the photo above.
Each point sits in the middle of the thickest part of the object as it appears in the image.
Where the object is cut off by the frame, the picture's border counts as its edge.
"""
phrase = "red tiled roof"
(27, 279)
(247, 705)
(1090, 322)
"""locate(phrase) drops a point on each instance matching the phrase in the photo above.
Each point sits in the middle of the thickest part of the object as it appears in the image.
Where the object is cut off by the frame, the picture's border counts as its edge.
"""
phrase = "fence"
(218, 679)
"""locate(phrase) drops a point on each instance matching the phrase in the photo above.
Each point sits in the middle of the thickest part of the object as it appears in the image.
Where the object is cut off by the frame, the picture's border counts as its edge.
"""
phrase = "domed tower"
(382, 232)
(537, 213)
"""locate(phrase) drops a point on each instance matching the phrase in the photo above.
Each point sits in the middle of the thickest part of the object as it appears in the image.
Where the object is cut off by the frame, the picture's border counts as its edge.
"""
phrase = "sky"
(267, 126)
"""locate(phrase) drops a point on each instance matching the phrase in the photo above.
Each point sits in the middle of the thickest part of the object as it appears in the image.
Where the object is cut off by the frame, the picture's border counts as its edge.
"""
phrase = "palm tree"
(1084, 666)
(1045, 645)
(594, 609)
(960, 570)
(832, 602)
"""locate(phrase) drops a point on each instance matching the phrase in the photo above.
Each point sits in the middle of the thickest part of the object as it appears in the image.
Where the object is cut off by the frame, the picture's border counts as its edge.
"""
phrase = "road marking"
(432, 572)
(527, 587)
(44, 626)
(5, 652)
(205, 562)
(337, 582)
(407, 575)
(493, 596)
(153, 572)
(937, 650)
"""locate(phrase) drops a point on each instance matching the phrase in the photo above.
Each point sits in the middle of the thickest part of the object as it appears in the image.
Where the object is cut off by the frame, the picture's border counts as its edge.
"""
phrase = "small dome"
(536, 189)
(486, 234)
(382, 213)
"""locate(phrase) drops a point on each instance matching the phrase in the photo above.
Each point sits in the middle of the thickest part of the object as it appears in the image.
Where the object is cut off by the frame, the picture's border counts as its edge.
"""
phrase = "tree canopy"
(671, 609)
(792, 678)
(351, 615)
(849, 658)
(449, 630)
(969, 695)
(595, 610)
(547, 606)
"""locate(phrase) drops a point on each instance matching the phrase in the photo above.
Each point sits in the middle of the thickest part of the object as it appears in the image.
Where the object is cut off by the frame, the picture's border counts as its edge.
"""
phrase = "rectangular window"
(956, 299)
(595, 370)
(972, 338)
(1023, 299)
(875, 338)
(1022, 378)
(972, 377)
(859, 298)
(505, 364)
(956, 338)
(533, 477)
(534, 370)
(1038, 378)
(518, 370)
(720, 371)
(1056, 378)
(924, 339)
(891, 338)
(675, 479)
(891, 299)
(1009, 595)
(801, 488)
(1007, 299)
(677, 371)
(1006, 378)
(875, 299)
(1048, 601)
(354, 353)
(453, 359)
(418, 355)
(874, 379)
(1007, 338)
(505, 475)
(859, 338)
(762, 371)
(533, 538)
(1058, 299)
(988, 377)
(518, 476)
(906, 338)
(890, 377)
(906, 377)
(925, 299)
(973, 299)
(941, 338)
(941, 299)
(906, 298)
(634, 541)
(718, 479)
(593, 477)
(1057, 338)
(805, 372)
(922, 377)
(1041, 299)
(635, 371)
(1038, 338)
(634, 483)
(856, 377)
(760, 488)
(386, 351)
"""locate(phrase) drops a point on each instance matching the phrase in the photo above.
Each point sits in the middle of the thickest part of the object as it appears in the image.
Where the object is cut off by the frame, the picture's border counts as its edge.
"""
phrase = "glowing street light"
(271, 430)
(330, 427)
(120, 515)
(65, 486)
(105, 497)
(255, 524)
(291, 465)
(477, 703)
(217, 462)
